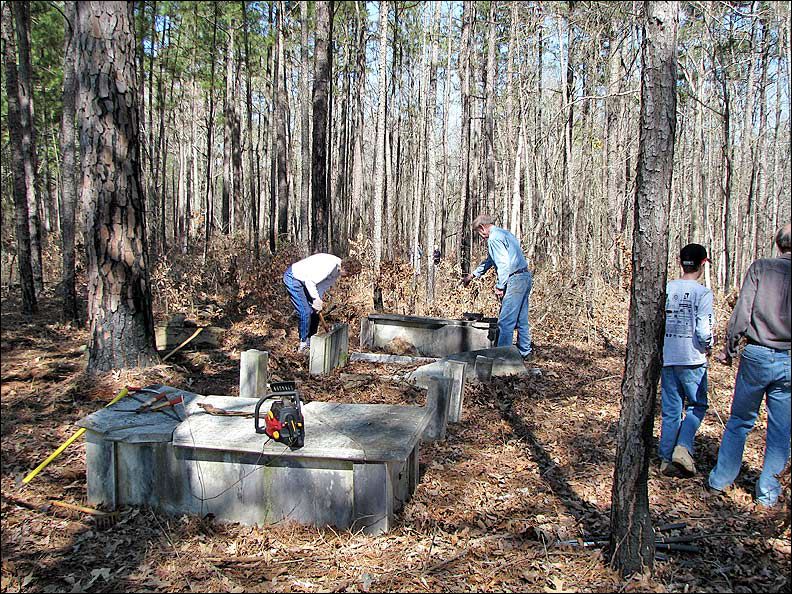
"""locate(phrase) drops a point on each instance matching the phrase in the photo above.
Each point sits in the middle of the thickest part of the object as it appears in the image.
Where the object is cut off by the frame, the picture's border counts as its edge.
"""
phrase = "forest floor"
(530, 463)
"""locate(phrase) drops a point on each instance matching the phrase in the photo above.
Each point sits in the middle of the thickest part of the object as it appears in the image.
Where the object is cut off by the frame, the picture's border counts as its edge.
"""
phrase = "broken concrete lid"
(505, 361)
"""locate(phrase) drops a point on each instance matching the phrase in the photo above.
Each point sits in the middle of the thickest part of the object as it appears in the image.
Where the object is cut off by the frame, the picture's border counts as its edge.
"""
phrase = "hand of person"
(466, 280)
(723, 357)
(498, 293)
(317, 304)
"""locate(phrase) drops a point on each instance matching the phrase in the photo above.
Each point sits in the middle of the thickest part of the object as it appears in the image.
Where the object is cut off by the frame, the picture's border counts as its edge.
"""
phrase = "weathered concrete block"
(483, 368)
(373, 486)
(431, 337)
(366, 338)
(455, 371)
(437, 401)
(169, 337)
(507, 361)
(253, 373)
(329, 350)
(359, 463)
(385, 358)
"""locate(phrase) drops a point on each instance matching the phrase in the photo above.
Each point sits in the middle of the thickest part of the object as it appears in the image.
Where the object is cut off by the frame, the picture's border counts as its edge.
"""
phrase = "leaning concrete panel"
(329, 350)
(437, 401)
(373, 499)
(455, 371)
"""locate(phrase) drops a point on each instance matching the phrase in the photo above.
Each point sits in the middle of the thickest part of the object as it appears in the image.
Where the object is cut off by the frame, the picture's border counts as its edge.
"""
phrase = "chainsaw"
(284, 420)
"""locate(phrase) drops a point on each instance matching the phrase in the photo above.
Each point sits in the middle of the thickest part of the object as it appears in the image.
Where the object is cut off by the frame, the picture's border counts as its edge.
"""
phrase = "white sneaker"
(682, 458)
(303, 347)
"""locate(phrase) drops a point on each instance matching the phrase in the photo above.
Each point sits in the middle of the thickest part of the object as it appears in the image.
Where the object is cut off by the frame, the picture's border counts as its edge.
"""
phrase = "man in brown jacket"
(762, 316)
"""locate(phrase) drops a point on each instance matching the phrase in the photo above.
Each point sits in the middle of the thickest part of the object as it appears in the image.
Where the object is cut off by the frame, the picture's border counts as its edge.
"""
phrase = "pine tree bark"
(252, 197)
(444, 214)
(431, 173)
(228, 113)
(357, 133)
(632, 536)
(119, 294)
(379, 168)
(28, 121)
(464, 159)
(305, 127)
(321, 95)
(22, 224)
(68, 172)
(280, 123)
(209, 205)
(489, 109)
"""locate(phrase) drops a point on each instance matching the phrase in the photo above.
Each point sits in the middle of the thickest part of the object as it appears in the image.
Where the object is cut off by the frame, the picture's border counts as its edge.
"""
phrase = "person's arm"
(741, 316)
(704, 320)
(483, 267)
(499, 252)
(311, 288)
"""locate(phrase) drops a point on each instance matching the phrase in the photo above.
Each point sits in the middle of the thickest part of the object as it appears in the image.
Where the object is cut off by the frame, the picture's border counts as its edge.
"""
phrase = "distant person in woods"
(688, 342)
(513, 286)
(762, 316)
(307, 281)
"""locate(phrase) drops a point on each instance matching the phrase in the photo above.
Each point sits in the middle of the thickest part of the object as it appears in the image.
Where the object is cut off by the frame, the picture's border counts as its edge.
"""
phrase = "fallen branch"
(260, 558)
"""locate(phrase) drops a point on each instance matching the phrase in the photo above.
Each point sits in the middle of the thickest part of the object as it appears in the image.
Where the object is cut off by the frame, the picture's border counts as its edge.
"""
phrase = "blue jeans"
(301, 300)
(514, 313)
(762, 371)
(684, 386)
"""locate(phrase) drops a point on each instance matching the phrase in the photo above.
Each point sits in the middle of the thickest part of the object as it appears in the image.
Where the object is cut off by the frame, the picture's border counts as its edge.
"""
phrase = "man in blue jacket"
(513, 286)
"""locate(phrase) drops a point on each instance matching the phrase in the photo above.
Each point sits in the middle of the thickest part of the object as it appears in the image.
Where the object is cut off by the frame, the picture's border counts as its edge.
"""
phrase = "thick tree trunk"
(119, 294)
(379, 168)
(305, 128)
(464, 159)
(209, 205)
(321, 93)
(280, 124)
(632, 536)
(431, 173)
(358, 186)
(489, 109)
(68, 173)
(252, 197)
(29, 304)
(228, 112)
(26, 112)
(444, 214)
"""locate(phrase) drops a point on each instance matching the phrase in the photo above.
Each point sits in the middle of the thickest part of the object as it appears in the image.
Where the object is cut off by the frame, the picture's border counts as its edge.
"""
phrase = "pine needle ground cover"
(529, 465)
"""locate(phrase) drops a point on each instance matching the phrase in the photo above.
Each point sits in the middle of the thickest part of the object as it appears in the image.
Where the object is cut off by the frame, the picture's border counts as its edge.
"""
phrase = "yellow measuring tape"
(68, 442)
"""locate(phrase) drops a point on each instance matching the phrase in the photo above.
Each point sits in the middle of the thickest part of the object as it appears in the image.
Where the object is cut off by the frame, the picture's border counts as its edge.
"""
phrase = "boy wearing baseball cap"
(688, 342)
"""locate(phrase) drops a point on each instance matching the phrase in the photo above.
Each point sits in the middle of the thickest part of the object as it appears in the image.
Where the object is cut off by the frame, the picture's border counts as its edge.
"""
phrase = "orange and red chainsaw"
(284, 420)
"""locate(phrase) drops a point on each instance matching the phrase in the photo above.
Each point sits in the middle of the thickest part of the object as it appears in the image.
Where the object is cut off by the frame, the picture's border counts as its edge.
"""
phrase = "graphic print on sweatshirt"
(680, 316)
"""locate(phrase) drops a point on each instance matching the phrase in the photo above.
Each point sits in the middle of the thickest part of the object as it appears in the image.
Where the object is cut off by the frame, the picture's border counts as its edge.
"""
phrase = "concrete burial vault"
(430, 337)
(359, 463)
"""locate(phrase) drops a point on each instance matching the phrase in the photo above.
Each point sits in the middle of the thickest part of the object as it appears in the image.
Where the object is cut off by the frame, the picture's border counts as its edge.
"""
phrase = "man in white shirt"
(307, 281)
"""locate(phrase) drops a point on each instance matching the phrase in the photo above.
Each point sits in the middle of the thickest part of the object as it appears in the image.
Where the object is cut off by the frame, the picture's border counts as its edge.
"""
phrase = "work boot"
(683, 460)
(666, 468)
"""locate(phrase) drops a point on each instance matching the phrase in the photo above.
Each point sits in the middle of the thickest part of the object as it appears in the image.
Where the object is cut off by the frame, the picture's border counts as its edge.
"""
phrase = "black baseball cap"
(693, 254)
